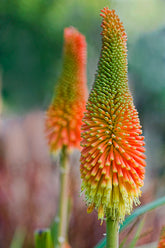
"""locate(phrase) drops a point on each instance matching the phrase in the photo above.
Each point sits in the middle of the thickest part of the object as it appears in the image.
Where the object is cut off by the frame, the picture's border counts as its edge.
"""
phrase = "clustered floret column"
(112, 157)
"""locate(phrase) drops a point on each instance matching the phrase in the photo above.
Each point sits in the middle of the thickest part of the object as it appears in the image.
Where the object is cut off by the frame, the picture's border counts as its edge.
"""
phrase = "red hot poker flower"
(162, 239)
(64, 116)
(112, 159)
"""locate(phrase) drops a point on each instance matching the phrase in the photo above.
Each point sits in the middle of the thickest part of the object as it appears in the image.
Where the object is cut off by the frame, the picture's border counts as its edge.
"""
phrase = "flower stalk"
(63, 203)
(112, 229)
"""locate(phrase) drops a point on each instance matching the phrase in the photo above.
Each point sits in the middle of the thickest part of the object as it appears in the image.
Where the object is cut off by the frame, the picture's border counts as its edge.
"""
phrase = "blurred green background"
(31, 41)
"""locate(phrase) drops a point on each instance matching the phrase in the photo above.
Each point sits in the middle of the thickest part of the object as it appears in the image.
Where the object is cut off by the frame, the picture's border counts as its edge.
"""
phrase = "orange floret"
(112, 158)
(64, 116)
(162, 239)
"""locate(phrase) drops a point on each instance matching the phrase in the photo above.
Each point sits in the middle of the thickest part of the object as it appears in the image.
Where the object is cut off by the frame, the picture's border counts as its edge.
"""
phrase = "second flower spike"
(64, 116)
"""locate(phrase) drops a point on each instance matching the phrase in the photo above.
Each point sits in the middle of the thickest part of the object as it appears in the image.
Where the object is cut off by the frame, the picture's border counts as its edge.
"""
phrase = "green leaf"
(134, 215)
(54, 230)
(127, 235)
(18, 239)
(123, 242)
(136, 237)
(43, 238)
(142, 210)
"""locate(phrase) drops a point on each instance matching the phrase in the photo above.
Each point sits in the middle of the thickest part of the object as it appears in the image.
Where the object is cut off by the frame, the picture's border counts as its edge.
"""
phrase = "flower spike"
(112, 158)
(64, 116)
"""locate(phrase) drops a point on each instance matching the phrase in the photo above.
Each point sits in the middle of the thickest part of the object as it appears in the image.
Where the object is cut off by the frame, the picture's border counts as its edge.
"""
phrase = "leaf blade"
(148, 207)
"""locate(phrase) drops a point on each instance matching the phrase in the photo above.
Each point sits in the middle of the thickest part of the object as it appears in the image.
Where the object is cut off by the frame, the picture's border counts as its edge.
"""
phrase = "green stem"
(112, 233)
(63, 203)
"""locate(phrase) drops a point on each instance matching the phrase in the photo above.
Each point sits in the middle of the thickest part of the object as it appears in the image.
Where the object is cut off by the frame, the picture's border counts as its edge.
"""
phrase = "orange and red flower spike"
(64, 116)
(162, 239)
(112, 158)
